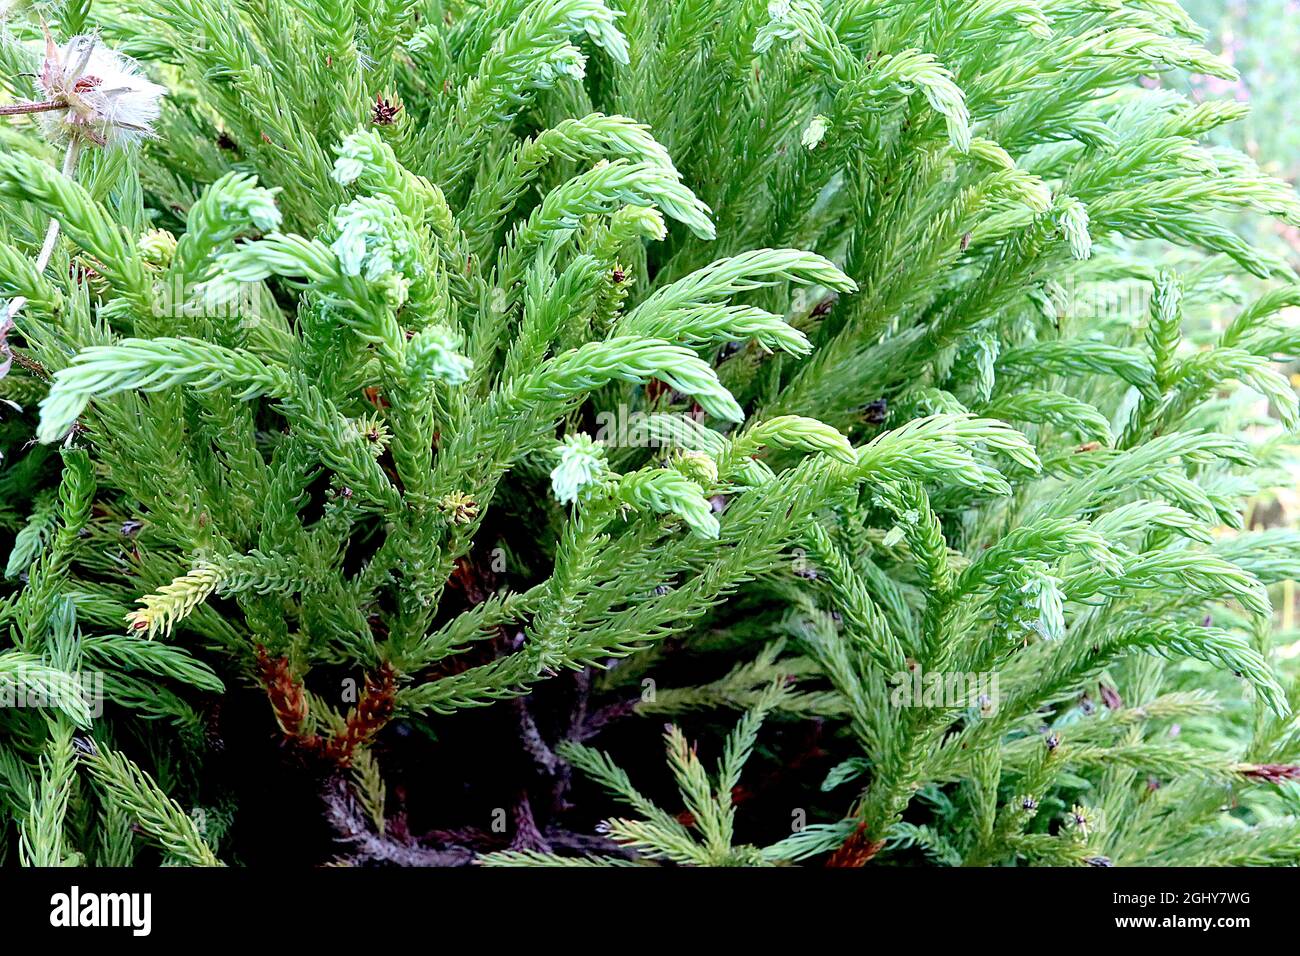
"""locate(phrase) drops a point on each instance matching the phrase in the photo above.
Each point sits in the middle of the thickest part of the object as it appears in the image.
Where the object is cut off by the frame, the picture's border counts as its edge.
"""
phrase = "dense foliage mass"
(432, 396)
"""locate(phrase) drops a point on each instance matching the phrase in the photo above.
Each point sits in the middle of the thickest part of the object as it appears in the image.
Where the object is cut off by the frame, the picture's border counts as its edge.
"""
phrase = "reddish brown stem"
(372, 712)
(857, 850)
(18, 109)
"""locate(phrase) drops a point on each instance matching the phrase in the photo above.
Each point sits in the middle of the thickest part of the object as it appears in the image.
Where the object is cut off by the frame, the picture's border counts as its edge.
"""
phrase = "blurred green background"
(1261, 38)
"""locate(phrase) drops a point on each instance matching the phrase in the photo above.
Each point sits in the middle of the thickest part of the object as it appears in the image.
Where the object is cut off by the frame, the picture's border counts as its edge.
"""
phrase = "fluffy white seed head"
(107, 99)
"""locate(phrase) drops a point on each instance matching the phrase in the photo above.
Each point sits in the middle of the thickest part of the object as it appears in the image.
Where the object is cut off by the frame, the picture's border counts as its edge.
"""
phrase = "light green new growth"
(914, 325)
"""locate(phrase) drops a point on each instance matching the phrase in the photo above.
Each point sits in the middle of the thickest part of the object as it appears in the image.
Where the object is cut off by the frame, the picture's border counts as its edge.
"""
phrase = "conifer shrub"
(410, 404)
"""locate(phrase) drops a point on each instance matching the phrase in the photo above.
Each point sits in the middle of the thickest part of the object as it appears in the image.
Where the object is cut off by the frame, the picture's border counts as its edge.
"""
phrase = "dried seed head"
(384, 112)
(104, 98)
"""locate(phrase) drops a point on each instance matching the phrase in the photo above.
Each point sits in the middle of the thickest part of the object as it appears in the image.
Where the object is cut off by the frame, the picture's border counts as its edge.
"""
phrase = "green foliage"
(908, 402)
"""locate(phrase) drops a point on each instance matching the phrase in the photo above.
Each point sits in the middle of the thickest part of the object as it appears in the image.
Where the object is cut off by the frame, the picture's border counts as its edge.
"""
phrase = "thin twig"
(354, 831)
(20, 109)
